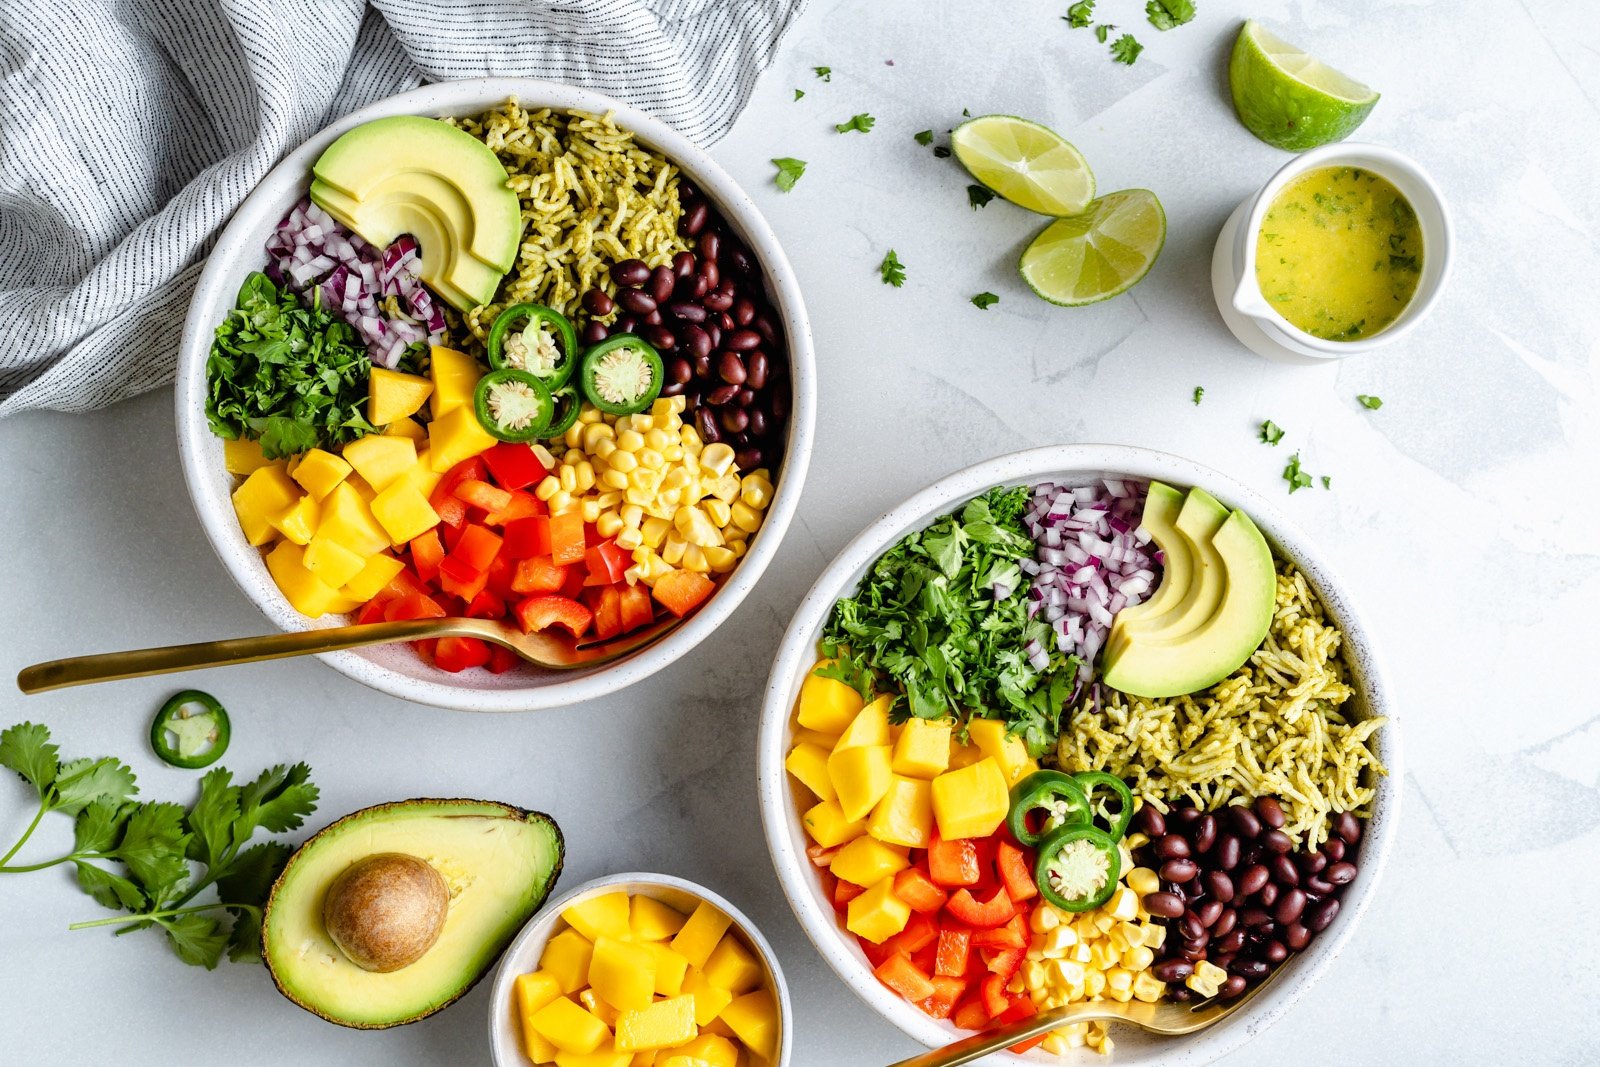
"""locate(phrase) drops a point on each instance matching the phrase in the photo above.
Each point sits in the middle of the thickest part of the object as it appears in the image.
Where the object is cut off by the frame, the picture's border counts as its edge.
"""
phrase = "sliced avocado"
(1198, 521)
(1161, 507)
(409, 174)
(497, 862)
(1184, 652)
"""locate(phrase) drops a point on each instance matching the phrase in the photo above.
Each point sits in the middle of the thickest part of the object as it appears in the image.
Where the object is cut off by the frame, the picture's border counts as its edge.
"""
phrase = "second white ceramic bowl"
(398, 670)
(780, 798)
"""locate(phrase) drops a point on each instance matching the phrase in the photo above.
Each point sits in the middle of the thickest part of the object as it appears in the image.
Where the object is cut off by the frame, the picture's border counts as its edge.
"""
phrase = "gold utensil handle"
(141, 662)
(979, 1045)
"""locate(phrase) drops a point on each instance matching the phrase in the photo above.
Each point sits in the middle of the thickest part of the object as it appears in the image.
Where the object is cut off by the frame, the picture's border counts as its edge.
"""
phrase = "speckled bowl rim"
(780, 815)
(397, 670)
(504, 1045)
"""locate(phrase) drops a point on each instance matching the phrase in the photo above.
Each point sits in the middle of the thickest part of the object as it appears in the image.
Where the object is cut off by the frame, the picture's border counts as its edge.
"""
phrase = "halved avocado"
(498, 864)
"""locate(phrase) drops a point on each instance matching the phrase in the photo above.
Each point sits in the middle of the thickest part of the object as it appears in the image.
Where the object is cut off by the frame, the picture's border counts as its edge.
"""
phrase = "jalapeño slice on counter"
(621, 375)
(191, 730)
(536, 339)
(513, 405)
(1078, 867)
(1044, 802)
(1095, 784)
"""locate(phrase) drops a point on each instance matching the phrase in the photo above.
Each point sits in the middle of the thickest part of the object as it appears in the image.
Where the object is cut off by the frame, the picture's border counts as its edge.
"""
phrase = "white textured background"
(1463, 514)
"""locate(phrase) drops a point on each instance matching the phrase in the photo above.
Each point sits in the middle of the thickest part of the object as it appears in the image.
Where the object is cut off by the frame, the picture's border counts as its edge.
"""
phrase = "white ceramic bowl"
(780, 798)
(1253, 319)
(398, 670)
(505, 1035)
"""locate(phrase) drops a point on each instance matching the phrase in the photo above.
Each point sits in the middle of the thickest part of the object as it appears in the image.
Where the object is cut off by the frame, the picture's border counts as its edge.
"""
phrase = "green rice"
(1277, 727)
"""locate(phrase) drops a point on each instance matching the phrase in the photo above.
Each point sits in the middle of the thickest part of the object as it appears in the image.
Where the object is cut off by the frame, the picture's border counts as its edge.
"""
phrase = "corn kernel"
(637, 574)
(1080, 952)
(594, 433)
(1054, 1045)
(655, 531)
(691, 440)
(1124, 903)
(1043, 920)
(757, 492)
(1138, 958)
(589, 507)
(632, 516)
(1143, 881)
(1121, 996)
(542, 454)
(640, 422)
(629, 540)
(585, 474)
(572, 456)
(574, 435)
(695, 560)
(637, 497)
(561, 502)
(721, 560)
(662, 411)
(610, 499)
(676, 478)
(672, 552)
(1057, 941)
(1136, 840)
(725, 488)
(1155, 935)
(1033, 973)
(569, 478)
(623, 460)
(646, 478)
(614, 479)
(652, 459)
(674, 453)
(630, 440)
(608, 524)
(717, 458)
(655, 438)
(1094, 982)
(606, 448)
(745, 517)
(590, 414)
(548, 487)
(1148, 988)
(720, 513)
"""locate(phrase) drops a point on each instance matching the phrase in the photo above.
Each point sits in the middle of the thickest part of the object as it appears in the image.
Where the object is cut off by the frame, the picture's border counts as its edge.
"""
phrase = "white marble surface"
(1463, 513)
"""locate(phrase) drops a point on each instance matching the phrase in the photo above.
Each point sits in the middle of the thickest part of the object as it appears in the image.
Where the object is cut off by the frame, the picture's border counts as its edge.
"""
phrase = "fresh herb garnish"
(798, 93)
(985, 301)
(291, 376)
(1080, 14)
(789, 171)
(1271, 432)
(1103, 31)
(1327, 481)
(860, 123)
(941, 151)
(1371, 403)
(978, 196)
(156, 845)
(923, 138)
(1199, 394)
(1165, 14)
(1125, 49)
(925, 621)
(892, 270)
(1297, 478)
(825, 73)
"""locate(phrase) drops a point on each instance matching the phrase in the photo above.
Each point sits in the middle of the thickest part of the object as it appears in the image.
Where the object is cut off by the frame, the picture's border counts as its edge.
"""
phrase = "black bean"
(662, 279)
(683, 290)
(1204, 834)
(679, 371)
(744, 312)
(1219, 885)
(1172, 970)
(721, 395)
(742, 341)
(1231, 942)
(1271, 812)
(758, 422)
(690, 313)
(711, 274)
(593, 332)
(1284, 870)
(1290, 905)
(762, 324)
(1208, 913)
(1317, 885)
(1191, 927)
(734, 420)
(748, 459)
(1225, 922)
(1180, 994)
(659, 336)
(695, 341)
(624, 324)
(1185, 815)
(1333, 848)
(1267, 895)
(717, 300)
(1274, 952)
(630, 272)
(1222, 960)
(683, 264)
(730, 368)
(746, 397)
(725, 320)
(740, 260)
(1151, 822)
(1323, 914)
(1164, 905)
(1232, 987)
(1244, 820)
(702, 367)
(1171, 847)
(1296, 936)
(1311, 862)
(687, 192)
(1179, 870)
(652, 319)
(596, 302)
(1276, 841)
(1341, 873)
(1248, 968)
(1252, 880)
(636, 301)
(755, 367)
(1226, 852)
(673, 388)
(710, 245)
(706, 423)
(1348, 827)
(693, 219)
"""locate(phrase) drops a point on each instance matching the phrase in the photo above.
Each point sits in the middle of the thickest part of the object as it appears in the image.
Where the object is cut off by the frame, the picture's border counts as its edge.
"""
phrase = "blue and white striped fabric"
(131, 129)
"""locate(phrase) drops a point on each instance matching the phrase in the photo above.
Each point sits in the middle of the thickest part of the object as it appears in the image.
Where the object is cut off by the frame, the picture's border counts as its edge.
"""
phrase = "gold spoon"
(1163, 1017)
(541, 648)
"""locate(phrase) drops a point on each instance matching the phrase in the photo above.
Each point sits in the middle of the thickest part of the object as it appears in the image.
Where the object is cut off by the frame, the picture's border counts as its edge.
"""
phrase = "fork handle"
(141, 662)
(979, 1045)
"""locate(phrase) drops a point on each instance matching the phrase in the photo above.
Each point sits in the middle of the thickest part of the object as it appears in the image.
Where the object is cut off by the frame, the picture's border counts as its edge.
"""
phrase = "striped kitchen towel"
(131, 129)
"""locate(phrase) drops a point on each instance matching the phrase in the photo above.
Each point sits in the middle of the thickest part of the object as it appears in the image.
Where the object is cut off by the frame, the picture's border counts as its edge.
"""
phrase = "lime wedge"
(1289, 99)
(1030, 165)
(1096, 255)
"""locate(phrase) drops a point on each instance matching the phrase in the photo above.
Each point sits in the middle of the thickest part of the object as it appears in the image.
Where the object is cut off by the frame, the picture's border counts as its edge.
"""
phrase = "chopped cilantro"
(789, 171)
(1199, 394)
(978, 196)
(1327, 481)
(861, 123)
(1372, 403)
(1271, 432)
(892, 270)
(1103, 31)
(1165, 14)
(941, 152)
(825, 73)
(923, 138)
(1080, 14)
(1125, 49)
(985, 300)
(1297, 478)
(798, 93)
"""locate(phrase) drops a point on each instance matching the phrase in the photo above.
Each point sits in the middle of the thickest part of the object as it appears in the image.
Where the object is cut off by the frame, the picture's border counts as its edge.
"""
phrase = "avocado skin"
(511, 811)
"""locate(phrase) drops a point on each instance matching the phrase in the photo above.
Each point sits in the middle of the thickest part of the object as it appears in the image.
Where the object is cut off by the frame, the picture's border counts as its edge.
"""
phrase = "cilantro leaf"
(153, 846)
(892, 270)
(99, 826)
(1371, 403)
(197, 939)
(1080, 14)
(861, 123)
(26, 749)
(212, 817)
(1199, 394)
(925, 137)
(789, 171)
(1271, 432)
(279, 799)
(799, 94)
(985, 301)
(1327, 481)
(250, 877)
(978, 196)
(1297, 478)
(1166, 14)
(108, 889)
(1125, 49)
(1103, 31)
(83, 781)
(825, 73)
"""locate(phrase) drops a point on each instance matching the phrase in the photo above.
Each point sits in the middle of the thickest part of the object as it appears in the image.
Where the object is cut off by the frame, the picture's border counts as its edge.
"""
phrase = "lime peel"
(1290, 99)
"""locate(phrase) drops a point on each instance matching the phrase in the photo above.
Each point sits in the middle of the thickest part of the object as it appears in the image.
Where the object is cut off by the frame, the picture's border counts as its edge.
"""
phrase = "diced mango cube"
(423, 476)
(1007, 750)
(699, 936)
(265, 494)
(962, 755)
(670, 969)
(331, 561)
(971, 802)
(604, 1056)
(403, 512)
(530, 992)
(809, 763)
(623, 972)
(595, 1003)
(827, 704)
(569, 1028)
(709, 1000)
(653, 920)
(869, 727)
(826, 742)
(662, 1024)
(455, 376)
(923, 748)
(377, 572)
(243, 456)
(679, 1060)
(826, 824)
(380, 460)
(877, 914)
(318, 472)
(454, 436)
(754, 1017)
(392, 395)
(732, 966)
(407, 428)
(904, 815)
(605, 915)
(860, 777)
(567, 956)
(347, 519)
(298, 522)
(713, 1050)
(306, 593)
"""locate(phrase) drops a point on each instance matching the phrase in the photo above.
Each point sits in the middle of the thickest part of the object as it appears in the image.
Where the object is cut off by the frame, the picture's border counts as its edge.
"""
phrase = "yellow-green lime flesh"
(1030, 165)
(1096, 255)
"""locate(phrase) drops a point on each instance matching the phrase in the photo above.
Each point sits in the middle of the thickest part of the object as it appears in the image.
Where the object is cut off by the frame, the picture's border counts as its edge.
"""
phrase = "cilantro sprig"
(978, 196)
(1168, 14)
(1297, 478)
(1271, 433)
(892, 270)
(985, 301)
(861, 123)
(141, 857)
(789, 171)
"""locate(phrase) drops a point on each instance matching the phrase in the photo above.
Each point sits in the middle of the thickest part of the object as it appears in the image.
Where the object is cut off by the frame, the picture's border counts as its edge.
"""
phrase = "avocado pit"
(386, 911)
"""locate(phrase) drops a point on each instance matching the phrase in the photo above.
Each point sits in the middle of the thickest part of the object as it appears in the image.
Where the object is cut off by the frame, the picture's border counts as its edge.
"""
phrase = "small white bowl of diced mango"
(640, 965)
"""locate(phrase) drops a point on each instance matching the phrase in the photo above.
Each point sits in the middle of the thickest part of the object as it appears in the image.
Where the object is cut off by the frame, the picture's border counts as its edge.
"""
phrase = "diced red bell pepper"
(972, 1014)
(566, 537)
(1020, 1008)
(637, 610)
(680, 592)
(1005, 963)
(477, 548)
(845, 892)
(539, 612)
(608, 612)
(426, 552)
(996, 910)
(458, 579)
(452, 510)
(574, 585)
(607, 562)
(538, 575)
(502, 659)
(918, 932)
(403, 584)
(591, 535)
(913, 886)
(1012, 935)
(456, 654)
(901, 975)
(501, 573)
(953, 863)
(1016, 872)
(414, 606)
(993, 991)
(946, 991)
(527, 538)
(480, 494)
(821, 858)
(371, 611)
(828, 882)
(523, 506)
(514, 466)
(486, 605)
(926, 957)
(875, 954)
(955, 945)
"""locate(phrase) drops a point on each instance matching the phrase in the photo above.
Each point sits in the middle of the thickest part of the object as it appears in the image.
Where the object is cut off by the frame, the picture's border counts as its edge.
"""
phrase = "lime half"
(1289, 99)
(1030, 165)
(1096, 255)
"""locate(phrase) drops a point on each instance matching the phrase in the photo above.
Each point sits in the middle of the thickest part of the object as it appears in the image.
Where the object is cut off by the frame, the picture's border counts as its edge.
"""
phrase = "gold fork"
(541, 648)
(1163, 1017)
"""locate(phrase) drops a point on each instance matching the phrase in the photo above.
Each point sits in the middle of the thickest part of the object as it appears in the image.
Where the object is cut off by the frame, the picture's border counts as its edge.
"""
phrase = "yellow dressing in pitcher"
(1339, 253)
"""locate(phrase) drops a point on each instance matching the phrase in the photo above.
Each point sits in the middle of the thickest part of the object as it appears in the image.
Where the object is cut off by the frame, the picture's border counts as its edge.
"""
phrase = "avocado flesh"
(1198, 522)
(1193, 652)
(409, 174)
(1162, 503)
(498, 861)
